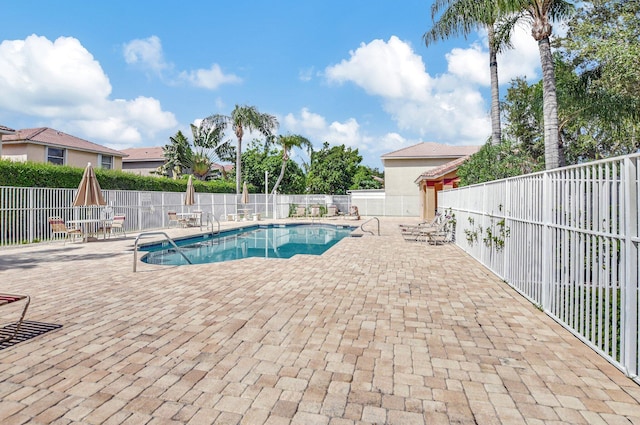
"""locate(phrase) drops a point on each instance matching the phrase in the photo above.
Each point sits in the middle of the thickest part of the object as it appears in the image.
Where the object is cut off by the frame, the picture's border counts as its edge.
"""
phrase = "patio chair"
(195, 220)
(353, 212)
(173, 218)
(300, 212)
(315, 211)
(117, 223)
(6, 299)
(58, 227)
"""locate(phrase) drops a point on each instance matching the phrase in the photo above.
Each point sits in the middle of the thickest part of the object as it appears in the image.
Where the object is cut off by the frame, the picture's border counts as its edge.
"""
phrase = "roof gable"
(442, 170)
(51, 137)
(431, 150)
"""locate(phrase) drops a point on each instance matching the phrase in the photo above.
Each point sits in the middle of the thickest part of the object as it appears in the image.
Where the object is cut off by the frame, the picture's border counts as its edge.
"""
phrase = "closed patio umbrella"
(190, 196)
(89, 192)
(245, 194)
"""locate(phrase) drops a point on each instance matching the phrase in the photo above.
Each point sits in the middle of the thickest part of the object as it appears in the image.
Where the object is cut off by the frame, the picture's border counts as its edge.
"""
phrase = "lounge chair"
(58, 227)
(300, 212)
(6, 299)
(435, 232)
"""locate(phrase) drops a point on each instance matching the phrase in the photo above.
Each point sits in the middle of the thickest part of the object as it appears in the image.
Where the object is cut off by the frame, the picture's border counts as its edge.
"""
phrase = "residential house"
(147, 161)
(143, 161)
(48, 145)
(413, 175)
(4, 130)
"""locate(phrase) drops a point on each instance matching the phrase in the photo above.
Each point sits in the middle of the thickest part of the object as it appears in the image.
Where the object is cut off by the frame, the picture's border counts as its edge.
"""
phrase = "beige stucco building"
(48, 145)
(416, 173)
(4, 131)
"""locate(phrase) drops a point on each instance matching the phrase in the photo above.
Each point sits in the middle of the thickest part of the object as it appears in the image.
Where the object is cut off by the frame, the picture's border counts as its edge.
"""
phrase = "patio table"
(90, 226)
(191, 218)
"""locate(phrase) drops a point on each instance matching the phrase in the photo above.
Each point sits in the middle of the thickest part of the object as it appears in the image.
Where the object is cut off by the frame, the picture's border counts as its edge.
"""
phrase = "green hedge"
(33, 174)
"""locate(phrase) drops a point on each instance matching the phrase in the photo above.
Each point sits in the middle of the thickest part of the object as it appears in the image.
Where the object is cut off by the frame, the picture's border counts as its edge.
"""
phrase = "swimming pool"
(266, 241)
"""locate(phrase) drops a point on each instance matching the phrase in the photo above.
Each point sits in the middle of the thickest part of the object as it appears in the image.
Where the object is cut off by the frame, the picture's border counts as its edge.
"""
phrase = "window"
(106, 162)
(55, 156)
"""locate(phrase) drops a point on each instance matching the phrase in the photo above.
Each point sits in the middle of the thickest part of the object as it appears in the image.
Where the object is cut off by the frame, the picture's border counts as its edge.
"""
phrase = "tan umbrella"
(245, 194)
(89, 192)
(190, 196)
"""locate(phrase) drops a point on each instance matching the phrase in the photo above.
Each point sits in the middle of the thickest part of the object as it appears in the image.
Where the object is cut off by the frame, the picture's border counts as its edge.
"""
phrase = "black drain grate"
(28, 330)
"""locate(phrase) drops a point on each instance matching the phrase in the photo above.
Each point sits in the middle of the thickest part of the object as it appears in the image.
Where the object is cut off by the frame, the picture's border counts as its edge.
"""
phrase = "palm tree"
(539, 13)
(287, 143)
(178, 154)
(461, 17)
(209, 146)
(242, 118)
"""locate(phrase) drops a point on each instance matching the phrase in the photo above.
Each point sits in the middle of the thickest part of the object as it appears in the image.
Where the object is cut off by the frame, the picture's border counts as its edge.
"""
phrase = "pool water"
(266, 241)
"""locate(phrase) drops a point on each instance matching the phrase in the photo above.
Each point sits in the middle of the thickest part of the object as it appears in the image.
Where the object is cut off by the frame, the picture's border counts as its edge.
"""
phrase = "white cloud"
(470, 64)
(145, 52)
(387, 69)
(210, 78)
(318, 131)
(521, 61)
(148, 54)
(62, 84)
(306, 74)
(448, 108)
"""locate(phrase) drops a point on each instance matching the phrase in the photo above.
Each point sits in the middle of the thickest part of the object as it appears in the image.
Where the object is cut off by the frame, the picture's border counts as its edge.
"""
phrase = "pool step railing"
(369, 231)
(135, 247)
(209, 221)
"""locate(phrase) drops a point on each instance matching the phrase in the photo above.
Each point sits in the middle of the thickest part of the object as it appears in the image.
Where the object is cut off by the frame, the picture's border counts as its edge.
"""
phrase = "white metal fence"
(24, 211)
(567, 239)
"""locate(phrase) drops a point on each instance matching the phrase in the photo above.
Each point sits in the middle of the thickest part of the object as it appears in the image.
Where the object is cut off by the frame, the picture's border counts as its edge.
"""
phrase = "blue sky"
(133, 73)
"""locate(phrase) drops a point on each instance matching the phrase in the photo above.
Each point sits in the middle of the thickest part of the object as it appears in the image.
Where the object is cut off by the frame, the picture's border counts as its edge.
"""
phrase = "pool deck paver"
(377, 330)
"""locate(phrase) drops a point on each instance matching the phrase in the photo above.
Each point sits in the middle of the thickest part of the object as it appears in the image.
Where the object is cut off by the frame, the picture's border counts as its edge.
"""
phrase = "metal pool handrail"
(369, 231)
(135, 247)
(209, 221)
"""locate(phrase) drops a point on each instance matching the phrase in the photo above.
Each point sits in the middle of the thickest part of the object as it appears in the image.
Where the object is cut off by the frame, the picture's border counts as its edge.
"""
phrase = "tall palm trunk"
(285, 158)
(552, 153)
(239, 133)
(496, 132)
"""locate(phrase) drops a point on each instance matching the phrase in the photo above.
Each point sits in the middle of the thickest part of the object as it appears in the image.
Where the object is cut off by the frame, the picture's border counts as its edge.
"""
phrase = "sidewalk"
(378, 330)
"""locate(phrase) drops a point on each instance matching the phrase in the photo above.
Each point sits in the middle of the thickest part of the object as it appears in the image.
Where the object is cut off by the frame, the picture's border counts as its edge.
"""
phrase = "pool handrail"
(135, 247)
(369, 231)
(209, 221)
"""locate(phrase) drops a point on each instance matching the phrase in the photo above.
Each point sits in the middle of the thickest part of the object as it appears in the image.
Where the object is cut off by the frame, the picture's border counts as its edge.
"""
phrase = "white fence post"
(629, 296)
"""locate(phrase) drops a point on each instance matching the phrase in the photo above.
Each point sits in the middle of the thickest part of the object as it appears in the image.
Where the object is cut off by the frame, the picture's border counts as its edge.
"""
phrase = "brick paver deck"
(378, 330)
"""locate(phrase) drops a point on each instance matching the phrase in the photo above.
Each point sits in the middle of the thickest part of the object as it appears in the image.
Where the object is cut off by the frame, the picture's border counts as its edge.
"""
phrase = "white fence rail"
(567, 239)
(24, 211)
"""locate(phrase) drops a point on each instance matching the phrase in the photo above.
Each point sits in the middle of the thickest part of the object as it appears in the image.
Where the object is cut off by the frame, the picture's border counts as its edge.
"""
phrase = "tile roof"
(442, 170)
(153, 153)
(6, 130)
(51, 137)
(432, 150)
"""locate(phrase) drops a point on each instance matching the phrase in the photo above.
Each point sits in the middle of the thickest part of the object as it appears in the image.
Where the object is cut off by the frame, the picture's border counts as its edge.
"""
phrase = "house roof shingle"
(431, 150)
(440, 171)
(149, 154)
(51, 137)
(6, 130)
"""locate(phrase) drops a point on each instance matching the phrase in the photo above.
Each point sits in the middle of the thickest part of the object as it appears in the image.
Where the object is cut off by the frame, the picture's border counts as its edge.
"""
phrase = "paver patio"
(377, 330)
